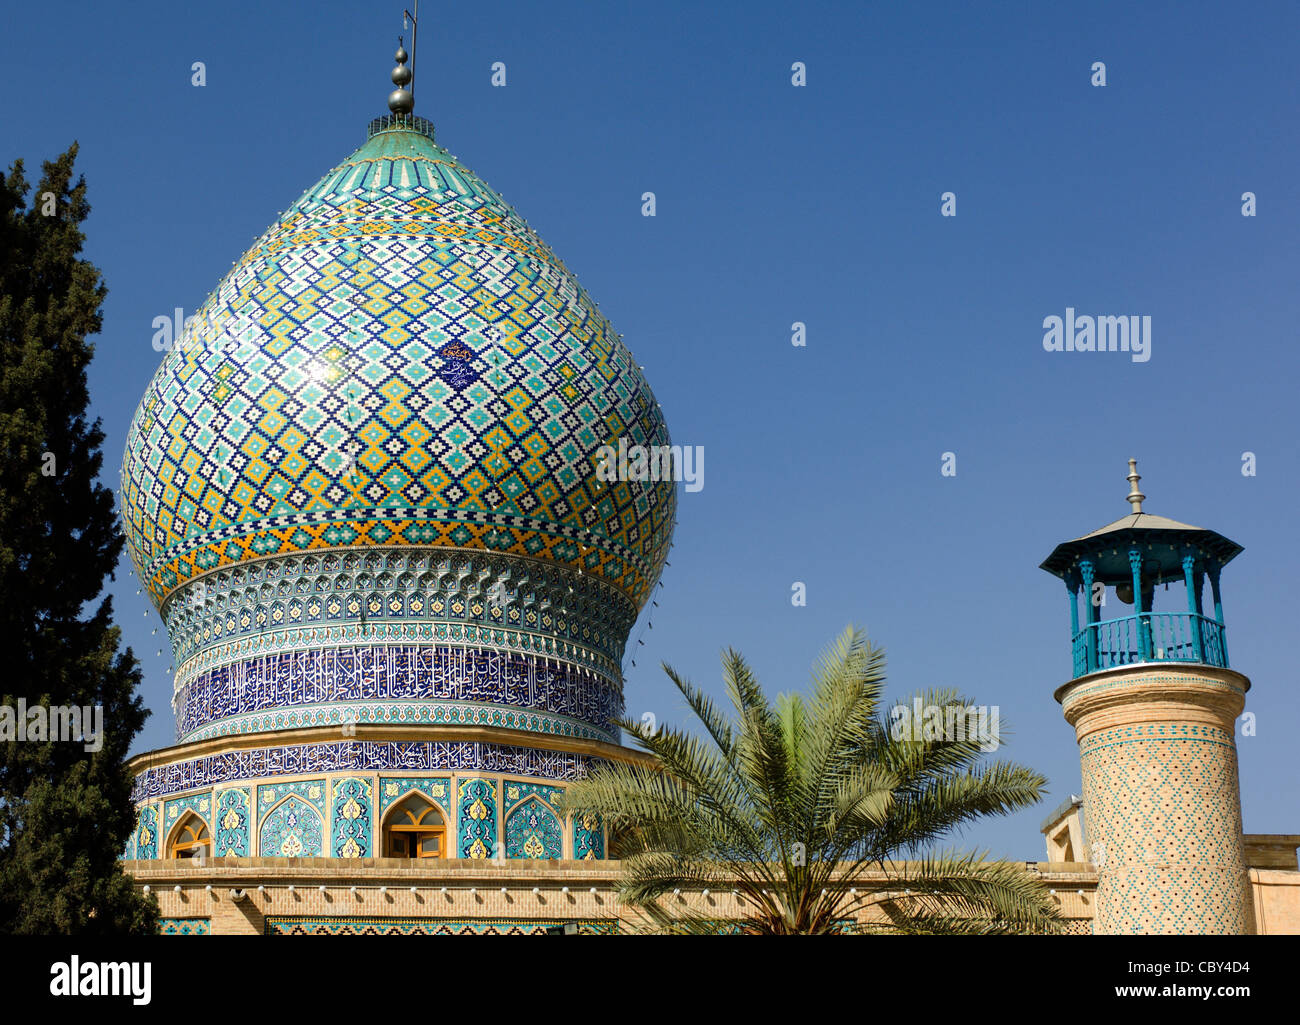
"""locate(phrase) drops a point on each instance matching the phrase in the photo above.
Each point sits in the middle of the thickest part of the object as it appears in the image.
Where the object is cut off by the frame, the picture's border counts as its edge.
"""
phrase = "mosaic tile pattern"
(398, 360)
(362, 489)
(1164, 829)
(352, 834)
(533, 831)
(184, 927)
(437, 789)
(231, 831)
(372, 680)
(477, 831)
(529, 606)
(293, 829)
(356, 756)
(402, 713)
(588, 837)
(175, 810)
(146, 833)
(532, 827)
(517, 791)
(310, 790)
(1183, 680)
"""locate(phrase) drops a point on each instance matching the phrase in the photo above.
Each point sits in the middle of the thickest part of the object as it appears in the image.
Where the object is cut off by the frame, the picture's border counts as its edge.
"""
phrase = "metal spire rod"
(1135, 497)
(415, 33)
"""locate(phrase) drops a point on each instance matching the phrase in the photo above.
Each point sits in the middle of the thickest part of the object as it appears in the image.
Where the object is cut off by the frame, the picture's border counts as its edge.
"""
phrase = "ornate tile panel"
(147, 840)
(436, 788)
(477, 817)
(184, 927)
(292, 829)
(380, 675)
(310, 790)
(352, 831)
(588, 837)
(529, 605)
(174, 810)
(517, 791)
(231, 829)
(533, 831)
(356, 756)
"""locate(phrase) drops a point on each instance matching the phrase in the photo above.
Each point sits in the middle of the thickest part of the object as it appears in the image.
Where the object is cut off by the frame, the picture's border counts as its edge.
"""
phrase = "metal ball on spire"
(400, 100)
(401, 74)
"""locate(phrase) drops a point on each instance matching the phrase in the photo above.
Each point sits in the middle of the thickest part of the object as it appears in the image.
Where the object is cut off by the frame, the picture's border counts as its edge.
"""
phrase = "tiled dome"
(398, 361)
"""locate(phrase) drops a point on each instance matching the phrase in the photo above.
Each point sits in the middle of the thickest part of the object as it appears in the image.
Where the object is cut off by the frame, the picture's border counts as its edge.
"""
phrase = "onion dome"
(394, 405)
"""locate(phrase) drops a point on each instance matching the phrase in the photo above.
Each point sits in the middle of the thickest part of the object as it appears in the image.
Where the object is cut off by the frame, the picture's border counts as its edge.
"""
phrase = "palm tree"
(808, 809)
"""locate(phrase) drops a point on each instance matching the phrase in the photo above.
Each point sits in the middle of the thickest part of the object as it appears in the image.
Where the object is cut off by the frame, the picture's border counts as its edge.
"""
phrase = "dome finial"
(1135, 497)
(400, 100)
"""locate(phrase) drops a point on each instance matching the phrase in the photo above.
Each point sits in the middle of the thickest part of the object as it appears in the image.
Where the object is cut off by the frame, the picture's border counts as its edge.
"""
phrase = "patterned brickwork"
(485, 892)
(429, 927)
(1162, 799)
(1165, 826)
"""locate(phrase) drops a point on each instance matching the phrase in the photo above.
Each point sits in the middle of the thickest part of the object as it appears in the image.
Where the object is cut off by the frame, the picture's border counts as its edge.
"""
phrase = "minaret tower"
(1154, 708)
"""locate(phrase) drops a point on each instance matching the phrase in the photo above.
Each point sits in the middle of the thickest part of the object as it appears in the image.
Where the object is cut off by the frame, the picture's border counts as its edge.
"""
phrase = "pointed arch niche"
(533, 830)
(414, 827)
(292, 829)
(190, 838)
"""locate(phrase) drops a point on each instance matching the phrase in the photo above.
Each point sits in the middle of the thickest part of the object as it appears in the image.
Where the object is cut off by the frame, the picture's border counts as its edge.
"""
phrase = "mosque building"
(362, 490)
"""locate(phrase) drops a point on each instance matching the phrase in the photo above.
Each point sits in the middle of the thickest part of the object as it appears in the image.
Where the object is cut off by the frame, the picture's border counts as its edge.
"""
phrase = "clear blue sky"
(779, 204)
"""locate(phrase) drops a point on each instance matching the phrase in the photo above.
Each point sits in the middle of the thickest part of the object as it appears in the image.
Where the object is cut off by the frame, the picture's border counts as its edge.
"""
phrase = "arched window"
(415, 828)
(191, 838)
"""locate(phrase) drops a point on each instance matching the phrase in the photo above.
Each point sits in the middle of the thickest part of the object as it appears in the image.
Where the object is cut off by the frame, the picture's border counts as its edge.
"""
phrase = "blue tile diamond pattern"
(399, 359)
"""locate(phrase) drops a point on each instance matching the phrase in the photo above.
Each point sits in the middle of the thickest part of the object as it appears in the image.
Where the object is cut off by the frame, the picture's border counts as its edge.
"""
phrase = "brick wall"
(453, 890)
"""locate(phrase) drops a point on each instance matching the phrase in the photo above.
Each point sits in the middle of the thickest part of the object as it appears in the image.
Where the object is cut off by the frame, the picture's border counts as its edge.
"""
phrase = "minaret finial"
(400, 100)
(1135, 497)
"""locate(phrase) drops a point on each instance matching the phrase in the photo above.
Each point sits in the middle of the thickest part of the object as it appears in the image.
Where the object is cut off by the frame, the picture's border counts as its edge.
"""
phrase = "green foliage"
(65, 813)
(798, 803)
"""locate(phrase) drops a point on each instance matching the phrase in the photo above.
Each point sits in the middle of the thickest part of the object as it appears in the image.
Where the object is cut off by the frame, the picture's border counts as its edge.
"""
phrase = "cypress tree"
(65, 812)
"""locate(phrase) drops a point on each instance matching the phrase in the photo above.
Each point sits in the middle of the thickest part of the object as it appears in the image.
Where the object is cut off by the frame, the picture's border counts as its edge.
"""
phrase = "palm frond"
(802, 806)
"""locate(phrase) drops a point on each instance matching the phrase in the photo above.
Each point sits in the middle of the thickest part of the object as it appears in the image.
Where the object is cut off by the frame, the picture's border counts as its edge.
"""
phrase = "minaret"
(1154, 708)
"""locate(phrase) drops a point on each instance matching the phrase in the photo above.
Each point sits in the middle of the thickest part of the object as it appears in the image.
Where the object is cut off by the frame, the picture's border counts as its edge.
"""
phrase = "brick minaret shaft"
(1154, 707)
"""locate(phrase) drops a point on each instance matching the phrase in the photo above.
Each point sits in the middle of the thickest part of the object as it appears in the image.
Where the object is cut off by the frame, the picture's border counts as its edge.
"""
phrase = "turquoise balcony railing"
(1149, 637)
